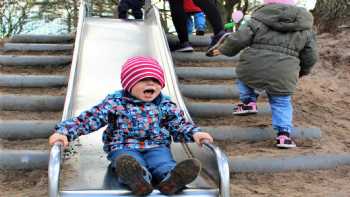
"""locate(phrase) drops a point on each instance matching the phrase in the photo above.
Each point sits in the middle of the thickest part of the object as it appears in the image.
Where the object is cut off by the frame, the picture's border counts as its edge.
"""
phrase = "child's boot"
(184, 173)
(284, 141)
(245, 109)
(133, 175)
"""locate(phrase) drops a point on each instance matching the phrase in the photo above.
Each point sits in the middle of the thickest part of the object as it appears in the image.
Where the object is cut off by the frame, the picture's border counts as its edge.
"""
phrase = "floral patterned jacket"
(131, 123)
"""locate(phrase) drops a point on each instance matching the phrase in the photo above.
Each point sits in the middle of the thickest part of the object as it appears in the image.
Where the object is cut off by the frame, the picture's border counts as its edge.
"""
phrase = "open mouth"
(149, 91)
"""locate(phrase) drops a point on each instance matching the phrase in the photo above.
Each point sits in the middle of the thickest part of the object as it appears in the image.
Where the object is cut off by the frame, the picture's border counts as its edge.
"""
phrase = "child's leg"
(172, 177)
(160, 162)
(131, 170)
(199, 21)
(282, 117)
(189, 24)
(246, 94)
(248, 98)
(184, 173)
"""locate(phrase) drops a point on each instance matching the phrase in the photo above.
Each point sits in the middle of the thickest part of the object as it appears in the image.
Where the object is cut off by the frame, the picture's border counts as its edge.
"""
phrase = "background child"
(281, 49)
(140, 123)
(198, 18)
(134, 5)
(179, 17)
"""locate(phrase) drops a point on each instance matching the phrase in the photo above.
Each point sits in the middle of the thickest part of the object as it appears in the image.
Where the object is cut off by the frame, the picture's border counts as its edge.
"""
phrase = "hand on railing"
(202, 137)
(213, 53)
(57, 138)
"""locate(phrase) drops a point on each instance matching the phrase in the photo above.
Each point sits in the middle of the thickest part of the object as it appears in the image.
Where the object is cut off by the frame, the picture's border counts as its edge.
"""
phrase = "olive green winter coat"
(279, 45)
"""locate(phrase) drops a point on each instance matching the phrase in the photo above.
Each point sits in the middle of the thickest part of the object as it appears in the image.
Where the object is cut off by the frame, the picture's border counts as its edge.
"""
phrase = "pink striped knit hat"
(289, 2)
(140, 67)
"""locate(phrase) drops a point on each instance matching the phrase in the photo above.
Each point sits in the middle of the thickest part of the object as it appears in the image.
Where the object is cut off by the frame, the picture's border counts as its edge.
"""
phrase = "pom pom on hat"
(237, 16)
(289, 2)
(140, 67)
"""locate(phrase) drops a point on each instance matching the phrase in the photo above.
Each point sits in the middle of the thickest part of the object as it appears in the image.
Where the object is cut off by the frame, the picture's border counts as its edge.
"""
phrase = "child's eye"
(150, 79)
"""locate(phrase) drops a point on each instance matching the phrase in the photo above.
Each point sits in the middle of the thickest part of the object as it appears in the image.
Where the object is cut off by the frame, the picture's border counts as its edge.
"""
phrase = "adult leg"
(123, 8)
(179, 18)
(214, 18)
(212, 13)
(137, 8)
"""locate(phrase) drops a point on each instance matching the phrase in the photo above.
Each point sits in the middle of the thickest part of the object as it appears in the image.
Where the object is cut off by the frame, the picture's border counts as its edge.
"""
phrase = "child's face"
(147, 89)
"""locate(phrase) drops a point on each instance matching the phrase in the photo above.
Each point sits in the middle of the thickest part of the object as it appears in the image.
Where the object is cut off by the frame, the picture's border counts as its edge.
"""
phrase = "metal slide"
(101, 47)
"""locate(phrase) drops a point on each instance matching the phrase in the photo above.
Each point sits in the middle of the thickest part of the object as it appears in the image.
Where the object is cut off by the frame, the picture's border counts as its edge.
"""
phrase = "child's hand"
(200, 137)
(216, 52)
(56, 137)
(213, 52)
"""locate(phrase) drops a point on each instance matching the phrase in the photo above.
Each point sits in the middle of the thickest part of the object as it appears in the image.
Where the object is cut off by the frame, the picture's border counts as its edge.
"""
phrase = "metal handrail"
(54, 169)
(83, 11)
(223, 167)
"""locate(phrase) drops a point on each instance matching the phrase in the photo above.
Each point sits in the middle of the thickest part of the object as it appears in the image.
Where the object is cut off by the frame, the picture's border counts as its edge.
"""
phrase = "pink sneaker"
(283, 141)
(245, 109)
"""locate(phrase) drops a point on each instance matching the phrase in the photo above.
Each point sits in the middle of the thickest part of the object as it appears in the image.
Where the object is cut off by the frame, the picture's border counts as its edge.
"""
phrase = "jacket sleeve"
(309, 55)
(87, 122)
(174, 121)
(237, 41)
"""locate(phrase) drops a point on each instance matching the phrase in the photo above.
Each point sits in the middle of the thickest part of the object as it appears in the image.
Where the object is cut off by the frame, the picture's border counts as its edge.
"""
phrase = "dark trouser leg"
(137, 13)
(179, 18)
(137, 8)
(123, 9)
(212, 13)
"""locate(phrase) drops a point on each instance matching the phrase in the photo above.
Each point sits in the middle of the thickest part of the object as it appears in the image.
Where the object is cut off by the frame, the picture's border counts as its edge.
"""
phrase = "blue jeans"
(157, 161)
(281, 107)
(199, 22)
(246, 94)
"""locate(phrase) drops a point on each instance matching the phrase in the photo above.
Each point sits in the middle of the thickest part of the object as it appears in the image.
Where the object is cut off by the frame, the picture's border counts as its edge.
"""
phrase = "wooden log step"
(31, 103)
(42, 39)
(209, 73)
(201, 57)
(25, 81)
(30, 60)
(37, 47)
